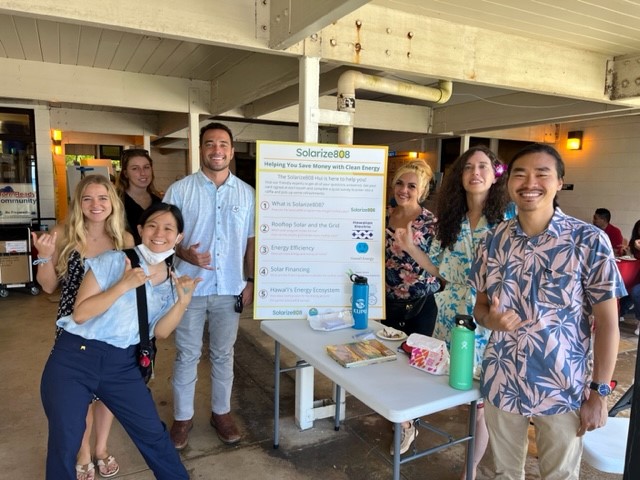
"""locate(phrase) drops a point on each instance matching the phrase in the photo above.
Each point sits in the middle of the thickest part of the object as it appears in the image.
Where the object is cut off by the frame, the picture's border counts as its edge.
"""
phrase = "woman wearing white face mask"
(96, 353)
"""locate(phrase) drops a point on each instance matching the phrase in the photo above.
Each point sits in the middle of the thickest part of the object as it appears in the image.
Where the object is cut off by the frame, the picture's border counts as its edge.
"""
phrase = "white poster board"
(18, 203)
(320, 216)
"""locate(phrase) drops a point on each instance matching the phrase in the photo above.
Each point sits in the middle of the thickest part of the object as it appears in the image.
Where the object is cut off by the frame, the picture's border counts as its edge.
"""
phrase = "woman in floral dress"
(472, 200)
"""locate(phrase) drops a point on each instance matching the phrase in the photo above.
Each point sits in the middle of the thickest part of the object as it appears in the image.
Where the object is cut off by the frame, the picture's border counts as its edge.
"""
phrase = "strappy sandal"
(86, 472)
(107, 467)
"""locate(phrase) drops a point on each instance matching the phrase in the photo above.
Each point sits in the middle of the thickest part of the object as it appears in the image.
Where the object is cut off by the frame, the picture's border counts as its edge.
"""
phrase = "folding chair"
(605, 448)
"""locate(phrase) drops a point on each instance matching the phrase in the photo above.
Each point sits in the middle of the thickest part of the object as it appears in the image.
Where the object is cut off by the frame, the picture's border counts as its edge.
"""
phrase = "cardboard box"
(14, 269)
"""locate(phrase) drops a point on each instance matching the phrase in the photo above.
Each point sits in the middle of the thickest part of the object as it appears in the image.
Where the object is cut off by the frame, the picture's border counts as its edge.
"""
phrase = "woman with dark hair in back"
(135, 186)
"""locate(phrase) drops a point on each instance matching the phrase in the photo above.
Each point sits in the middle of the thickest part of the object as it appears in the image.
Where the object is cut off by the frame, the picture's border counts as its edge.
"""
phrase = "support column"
(306, 410)
(309, 92)
(193, 163)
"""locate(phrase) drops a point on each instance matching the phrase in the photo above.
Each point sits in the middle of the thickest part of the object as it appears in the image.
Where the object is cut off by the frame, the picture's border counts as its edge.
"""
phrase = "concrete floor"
(358, 451)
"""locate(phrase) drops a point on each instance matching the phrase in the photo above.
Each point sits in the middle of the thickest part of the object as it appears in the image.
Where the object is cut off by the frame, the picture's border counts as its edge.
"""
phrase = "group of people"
(189, 277)
(538, 282)
(602, 219)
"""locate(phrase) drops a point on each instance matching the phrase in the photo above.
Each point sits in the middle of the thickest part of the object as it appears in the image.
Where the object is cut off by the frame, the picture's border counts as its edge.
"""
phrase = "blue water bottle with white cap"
(360, 301)
(462, 351)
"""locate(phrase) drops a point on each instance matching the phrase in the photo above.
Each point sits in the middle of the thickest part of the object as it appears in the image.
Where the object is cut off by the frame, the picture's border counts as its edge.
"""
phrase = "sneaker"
(226, 428)
(179, 433)
(407, 438)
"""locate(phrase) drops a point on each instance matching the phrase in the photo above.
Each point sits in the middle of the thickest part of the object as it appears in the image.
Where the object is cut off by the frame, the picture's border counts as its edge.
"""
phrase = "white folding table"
(394, 390)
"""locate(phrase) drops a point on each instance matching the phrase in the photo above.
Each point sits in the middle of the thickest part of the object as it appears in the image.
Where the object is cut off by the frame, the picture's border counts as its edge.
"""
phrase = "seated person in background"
(633, 248)
(632, 301)
(601, 219)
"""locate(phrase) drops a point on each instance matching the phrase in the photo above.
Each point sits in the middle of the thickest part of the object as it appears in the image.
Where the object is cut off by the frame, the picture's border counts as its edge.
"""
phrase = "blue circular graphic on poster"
(362, 247)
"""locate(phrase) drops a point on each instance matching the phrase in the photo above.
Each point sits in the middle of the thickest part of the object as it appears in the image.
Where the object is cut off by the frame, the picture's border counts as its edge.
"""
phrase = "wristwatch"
(603, 389)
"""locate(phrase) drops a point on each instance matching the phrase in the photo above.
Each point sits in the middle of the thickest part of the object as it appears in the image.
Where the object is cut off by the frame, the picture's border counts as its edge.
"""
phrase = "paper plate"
(380, 334)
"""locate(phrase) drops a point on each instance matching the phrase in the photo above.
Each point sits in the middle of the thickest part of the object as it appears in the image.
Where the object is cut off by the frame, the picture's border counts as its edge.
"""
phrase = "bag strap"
(141, 297)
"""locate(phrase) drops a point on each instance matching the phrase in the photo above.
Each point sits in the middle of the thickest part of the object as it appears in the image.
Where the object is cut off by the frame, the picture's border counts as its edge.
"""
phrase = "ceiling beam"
(94, 121)
(289, 96)
(623, 79)
(511, 110)
(372, 115)
(74, 84)
(291, 22)
(254, 77)
(192, 21)
(382, 38)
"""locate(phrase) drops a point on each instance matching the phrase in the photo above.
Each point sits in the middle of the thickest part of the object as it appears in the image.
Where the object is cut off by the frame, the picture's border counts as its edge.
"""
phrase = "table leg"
(472, 440)
(397, 432)
(276, 399)
(336, 416)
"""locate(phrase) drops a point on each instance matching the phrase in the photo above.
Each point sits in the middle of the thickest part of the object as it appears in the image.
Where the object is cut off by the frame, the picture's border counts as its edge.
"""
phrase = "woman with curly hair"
(472, 200)
(95, 225)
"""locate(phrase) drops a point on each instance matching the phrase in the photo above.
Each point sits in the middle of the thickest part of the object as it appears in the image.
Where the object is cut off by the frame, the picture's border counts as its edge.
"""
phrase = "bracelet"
(250, 279)
(42, 261)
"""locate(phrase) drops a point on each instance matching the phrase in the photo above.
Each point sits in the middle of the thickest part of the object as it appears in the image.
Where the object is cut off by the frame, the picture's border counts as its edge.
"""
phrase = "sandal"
(107, 467)
(86, 472)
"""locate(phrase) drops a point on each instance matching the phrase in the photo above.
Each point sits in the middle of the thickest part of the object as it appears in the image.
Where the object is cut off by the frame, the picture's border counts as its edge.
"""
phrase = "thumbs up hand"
(506, 321)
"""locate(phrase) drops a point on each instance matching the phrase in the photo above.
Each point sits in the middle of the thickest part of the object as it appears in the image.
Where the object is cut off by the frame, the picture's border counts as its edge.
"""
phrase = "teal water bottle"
(463, 341)
(360, 301)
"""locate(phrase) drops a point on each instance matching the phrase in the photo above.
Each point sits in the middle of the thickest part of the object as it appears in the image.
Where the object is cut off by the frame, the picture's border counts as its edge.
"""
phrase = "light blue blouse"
(118, 326)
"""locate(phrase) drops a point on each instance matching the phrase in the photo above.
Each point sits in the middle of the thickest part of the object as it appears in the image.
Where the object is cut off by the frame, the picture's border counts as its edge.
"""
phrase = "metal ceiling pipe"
(353, 80)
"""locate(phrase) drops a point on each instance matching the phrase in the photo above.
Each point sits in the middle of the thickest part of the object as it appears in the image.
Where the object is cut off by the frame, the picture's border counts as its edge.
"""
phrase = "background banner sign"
(320, 217)
(18, 203)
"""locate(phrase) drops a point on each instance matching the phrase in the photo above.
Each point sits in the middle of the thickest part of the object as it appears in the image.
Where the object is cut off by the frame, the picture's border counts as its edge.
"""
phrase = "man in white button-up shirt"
(218, 246)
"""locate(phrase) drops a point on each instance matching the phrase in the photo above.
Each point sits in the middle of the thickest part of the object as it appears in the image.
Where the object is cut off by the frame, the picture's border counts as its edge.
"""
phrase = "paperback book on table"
(356, 354)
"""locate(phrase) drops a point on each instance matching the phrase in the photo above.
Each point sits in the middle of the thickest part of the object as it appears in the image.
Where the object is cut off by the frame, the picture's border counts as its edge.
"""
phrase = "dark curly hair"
(635, 235)
(452, 198)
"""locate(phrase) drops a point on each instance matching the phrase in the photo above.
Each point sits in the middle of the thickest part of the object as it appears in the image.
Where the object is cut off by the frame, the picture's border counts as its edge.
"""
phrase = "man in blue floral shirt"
(544, 280)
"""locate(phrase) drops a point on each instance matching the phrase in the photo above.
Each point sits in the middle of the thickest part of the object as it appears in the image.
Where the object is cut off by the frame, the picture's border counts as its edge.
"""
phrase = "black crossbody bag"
(147, 347)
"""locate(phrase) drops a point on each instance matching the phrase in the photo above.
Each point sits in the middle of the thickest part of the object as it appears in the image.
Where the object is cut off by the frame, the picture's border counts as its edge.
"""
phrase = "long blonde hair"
(74, 236)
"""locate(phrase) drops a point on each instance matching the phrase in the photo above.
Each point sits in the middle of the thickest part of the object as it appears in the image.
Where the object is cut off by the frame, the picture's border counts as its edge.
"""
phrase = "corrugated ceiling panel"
(88, 45)
(9, 38)
(69, 43)
(107, 48)
(49, 35)
(146, 47)
(177, 56)
(157, 58)
(128, 45)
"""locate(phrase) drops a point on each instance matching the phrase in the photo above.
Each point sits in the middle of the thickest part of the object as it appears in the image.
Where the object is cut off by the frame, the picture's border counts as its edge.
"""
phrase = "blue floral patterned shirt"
(551, 279)
(404, 278)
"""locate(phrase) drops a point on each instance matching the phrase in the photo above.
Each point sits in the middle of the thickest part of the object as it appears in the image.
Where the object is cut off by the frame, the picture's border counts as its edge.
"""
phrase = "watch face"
(604, 389)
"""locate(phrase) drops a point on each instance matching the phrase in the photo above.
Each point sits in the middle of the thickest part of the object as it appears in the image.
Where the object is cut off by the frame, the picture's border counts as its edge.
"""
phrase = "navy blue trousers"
(77, 370)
